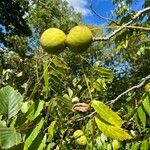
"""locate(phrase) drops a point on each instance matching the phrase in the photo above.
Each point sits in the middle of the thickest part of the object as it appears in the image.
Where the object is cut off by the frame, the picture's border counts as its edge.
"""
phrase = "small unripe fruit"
(79, 39)
(78, 133)
(53, 40)
(116, 145)
(82, 140)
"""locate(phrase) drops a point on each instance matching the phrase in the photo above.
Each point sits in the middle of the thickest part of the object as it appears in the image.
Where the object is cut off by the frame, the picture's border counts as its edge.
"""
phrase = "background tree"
(12, 20)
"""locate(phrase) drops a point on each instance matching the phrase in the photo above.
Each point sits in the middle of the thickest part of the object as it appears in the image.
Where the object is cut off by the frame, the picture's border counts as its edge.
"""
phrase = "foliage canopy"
(104, 93)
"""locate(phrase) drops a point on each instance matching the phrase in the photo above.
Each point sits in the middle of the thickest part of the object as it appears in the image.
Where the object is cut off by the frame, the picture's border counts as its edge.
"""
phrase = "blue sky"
(103, 7)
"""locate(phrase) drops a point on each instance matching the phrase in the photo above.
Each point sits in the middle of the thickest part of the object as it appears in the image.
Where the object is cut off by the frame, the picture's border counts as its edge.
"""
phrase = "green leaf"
(43, 143)
(89, 128)
(135, 146)
(10, 101)
(137, 121)
(67, 103)
(17, 147)
(106, 113)
(38, 143)
(145, 145)
(146, 105)
(34, 133)
(50, 146)
(99, 143)
(59, 62)
(100, 84)
(105, 73)
(25, 106)
(9, 137)
(35, 110)
(51, 131)
(142, 115)
(111, 131)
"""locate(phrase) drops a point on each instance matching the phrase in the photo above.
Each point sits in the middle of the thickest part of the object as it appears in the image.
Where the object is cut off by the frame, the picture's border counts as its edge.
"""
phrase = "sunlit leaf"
(111, 131)
(135, 146)
(9, 137)
(106, 113)
(51, 131)
(10, 101)
(142, 115)
(35, 110)
(145, 145)
(34, 133)
(146, 104)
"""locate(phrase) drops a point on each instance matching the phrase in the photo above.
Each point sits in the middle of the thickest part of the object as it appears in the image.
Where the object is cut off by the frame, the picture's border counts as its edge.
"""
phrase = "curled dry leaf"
(81, 107)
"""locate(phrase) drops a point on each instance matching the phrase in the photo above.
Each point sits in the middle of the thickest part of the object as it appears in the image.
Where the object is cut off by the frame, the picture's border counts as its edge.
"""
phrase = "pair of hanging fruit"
(80, 137)
(54, 40)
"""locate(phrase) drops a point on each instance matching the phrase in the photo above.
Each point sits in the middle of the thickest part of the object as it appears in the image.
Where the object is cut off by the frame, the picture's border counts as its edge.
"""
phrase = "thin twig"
(88, 116)
(139, 13)
(100, 16)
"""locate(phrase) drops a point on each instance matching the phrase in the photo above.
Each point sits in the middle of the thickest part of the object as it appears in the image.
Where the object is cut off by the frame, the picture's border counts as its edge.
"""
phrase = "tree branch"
(123, 26)
(130, 89)
(119, 96)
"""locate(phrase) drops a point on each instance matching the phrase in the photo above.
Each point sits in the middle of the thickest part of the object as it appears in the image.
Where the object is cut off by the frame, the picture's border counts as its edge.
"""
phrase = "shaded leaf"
(17, 147)
(136, 118)
(59, 62)
(66, 102)
(37, 143)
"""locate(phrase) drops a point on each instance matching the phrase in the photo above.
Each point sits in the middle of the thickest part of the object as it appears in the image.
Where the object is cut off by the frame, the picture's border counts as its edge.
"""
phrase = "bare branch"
(132, 88)
(123, 26)
(100, 16)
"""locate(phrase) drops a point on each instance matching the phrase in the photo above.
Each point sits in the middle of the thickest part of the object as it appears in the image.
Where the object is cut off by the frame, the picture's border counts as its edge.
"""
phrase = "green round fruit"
(147, 87)
(53, 40)
(78, 133)
(79, 39)
(116, 144)
(82, 140)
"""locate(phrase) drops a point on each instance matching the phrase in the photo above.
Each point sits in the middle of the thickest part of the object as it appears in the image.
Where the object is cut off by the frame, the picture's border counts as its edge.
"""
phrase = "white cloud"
(80, 6)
